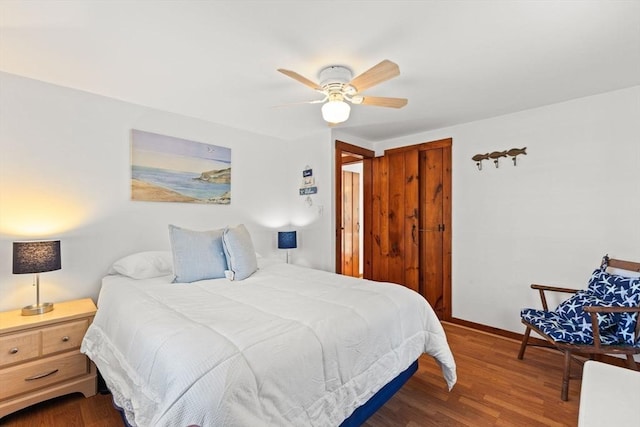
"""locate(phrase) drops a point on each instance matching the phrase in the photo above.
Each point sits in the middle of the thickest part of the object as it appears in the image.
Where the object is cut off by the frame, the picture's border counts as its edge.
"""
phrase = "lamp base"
(30, 310)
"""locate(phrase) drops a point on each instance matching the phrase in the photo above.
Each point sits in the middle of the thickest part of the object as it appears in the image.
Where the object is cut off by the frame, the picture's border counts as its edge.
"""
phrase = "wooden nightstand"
(40, 355)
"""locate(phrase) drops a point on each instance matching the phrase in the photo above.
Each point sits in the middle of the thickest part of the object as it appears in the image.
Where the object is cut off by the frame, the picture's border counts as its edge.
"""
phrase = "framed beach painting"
(169, 169)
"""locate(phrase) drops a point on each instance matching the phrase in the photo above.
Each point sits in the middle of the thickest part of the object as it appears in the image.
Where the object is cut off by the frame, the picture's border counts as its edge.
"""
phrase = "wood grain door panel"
(410, 230)
(431, 228)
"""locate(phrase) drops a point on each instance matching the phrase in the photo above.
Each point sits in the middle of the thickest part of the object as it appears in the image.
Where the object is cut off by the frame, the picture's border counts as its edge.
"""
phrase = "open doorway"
(352, 187)
(352, 219)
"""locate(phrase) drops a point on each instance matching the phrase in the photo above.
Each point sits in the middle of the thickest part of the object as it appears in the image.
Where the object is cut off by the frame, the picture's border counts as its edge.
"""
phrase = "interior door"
(435, 233)
(407, 218)
(403, 260)
(351, 223)
(410, 222)
(346, 154)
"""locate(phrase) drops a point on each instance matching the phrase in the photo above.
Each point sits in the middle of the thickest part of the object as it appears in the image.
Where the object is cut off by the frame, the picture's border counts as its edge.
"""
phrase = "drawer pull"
(65, 338)
(38, 376)
(14, 350)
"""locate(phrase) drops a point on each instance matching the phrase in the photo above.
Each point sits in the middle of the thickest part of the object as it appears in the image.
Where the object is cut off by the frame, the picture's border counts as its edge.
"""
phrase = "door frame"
(348, 153)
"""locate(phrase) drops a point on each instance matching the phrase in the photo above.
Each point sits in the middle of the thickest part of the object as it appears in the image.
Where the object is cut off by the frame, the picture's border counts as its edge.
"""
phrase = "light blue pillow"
(197, 255)
(241, 256)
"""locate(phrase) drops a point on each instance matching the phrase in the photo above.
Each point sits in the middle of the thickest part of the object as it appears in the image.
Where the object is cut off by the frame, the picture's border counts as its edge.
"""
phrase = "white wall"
(65, 173)
(315, 222)
(574, 197)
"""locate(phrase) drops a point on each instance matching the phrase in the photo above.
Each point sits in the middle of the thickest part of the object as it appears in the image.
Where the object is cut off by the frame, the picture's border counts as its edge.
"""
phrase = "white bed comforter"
(288, 346)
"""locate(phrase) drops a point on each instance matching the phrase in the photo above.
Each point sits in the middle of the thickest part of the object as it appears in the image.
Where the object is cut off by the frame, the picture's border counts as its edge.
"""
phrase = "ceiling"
(459, 61)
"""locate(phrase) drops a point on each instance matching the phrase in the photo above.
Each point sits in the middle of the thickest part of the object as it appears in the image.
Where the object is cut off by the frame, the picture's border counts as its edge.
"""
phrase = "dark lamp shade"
(287, 240)
(36, 257)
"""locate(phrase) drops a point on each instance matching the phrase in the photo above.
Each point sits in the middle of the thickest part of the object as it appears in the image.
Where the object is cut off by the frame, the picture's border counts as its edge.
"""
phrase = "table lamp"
(287, 240)
(36, 257)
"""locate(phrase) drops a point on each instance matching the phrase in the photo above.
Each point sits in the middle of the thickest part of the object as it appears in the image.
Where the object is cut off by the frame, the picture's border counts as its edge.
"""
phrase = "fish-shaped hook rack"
(515, 152)
(496, 155)
(478, 158)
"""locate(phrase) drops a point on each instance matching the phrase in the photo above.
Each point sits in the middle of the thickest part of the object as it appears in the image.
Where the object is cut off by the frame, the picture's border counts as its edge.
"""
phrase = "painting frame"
(177, 170)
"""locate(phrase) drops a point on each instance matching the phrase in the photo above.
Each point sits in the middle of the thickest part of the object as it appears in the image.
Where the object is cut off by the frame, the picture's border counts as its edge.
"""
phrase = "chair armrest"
(543, 288)
(554, 288)
(600, 309)
(593, 311)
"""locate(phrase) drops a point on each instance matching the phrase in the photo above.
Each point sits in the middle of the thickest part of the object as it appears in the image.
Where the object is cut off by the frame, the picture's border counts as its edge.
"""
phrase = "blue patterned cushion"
(561, 330)
(572, 311)
(618, 291)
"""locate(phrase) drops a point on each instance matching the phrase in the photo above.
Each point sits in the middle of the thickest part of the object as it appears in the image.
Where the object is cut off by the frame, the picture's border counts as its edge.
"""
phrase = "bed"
(287, 346)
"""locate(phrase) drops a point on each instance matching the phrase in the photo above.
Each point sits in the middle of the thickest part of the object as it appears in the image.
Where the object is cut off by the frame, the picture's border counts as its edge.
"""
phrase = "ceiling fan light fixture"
(338, 85)
(336, 111)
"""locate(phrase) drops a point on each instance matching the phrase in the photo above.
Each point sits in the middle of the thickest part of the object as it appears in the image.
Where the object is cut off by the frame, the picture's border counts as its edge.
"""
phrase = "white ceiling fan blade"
(305, 81)
(380, 101)
(379, 73)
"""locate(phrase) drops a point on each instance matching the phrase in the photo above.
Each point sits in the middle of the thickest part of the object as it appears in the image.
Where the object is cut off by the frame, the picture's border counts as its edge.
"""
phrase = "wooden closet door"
(435, 245)
(376, 268)
(410, 225)
(396, 255)
(403, 219)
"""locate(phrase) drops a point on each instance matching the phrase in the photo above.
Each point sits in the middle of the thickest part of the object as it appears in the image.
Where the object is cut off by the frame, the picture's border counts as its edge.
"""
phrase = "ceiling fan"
(338, 85)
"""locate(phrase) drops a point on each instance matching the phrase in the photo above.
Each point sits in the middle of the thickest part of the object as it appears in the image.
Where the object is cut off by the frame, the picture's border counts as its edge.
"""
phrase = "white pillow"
(144, 265)
(197, 255)
(241, 256)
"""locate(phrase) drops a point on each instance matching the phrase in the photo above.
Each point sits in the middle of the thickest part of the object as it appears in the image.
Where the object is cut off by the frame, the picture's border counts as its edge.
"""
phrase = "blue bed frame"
(361, 414)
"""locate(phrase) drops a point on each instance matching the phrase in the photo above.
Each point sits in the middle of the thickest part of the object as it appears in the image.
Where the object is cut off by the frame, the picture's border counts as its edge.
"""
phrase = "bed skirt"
(361, 414)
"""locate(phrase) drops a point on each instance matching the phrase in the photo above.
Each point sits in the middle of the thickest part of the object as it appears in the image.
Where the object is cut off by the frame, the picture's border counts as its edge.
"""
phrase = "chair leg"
(564, 395)
(631, 363)
(525, 341)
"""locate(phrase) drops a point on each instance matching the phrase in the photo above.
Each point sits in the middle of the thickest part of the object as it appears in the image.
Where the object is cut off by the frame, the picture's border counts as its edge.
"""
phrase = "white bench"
(610, 396)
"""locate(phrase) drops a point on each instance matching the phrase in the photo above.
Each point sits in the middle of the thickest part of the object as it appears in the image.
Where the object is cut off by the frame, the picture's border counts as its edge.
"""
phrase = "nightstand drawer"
(64, 337)
(18, 347)
(41, 373)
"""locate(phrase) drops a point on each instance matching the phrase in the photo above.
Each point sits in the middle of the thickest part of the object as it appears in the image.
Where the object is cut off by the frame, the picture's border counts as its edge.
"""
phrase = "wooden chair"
(596, 348)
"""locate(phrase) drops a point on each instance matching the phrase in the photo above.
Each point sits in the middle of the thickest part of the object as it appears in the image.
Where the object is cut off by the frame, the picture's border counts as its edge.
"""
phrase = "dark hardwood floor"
(494, 389)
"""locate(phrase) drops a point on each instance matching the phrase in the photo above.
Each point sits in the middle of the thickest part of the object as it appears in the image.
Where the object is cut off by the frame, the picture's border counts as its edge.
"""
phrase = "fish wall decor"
(478, 158)
(496, 155)
(514, 152)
